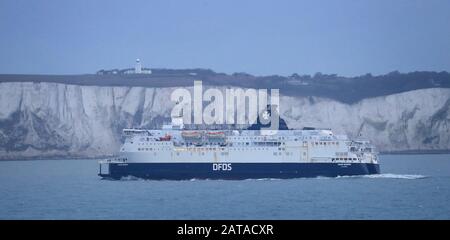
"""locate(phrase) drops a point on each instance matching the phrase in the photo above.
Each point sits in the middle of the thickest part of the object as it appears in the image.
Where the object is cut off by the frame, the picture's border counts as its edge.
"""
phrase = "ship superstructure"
(176, 153)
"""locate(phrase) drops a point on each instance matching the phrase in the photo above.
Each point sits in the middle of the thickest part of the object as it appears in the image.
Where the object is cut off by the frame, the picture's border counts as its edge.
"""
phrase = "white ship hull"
(174, 154)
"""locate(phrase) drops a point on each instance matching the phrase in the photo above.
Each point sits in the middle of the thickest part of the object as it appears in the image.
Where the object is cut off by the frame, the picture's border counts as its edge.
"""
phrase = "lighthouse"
(138, 67)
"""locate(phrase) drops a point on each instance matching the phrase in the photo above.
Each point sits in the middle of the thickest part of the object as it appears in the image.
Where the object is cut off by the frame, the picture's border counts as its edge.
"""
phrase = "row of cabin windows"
(221, 143)
(248, 149)
(238, 143)
(156, 143)
(213, 149)
(152, 149)
(268, 143)
(223, 149)
(226, 153)
(264, 139)
(243, 138)
(326, 143)
(222, 153)
(344, 159)
(209, 149)
(258, 143)
(206, 149)
(254, 138)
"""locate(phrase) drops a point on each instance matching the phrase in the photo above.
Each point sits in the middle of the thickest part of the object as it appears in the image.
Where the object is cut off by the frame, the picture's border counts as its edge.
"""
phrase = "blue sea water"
(410, 187)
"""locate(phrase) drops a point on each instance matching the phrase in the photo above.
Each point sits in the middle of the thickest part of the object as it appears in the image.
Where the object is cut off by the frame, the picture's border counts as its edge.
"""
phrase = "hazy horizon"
(218, 72)
(348, 38)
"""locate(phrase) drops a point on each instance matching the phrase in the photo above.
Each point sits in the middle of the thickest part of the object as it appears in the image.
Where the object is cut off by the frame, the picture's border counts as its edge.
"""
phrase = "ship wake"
(388, 176)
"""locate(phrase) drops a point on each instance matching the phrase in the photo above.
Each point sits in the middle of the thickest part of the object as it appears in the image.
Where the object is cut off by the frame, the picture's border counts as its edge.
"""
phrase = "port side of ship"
(177, 154)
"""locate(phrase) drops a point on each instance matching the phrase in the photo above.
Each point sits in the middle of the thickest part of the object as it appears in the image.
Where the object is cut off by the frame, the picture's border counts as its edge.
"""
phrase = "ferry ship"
(177, 153)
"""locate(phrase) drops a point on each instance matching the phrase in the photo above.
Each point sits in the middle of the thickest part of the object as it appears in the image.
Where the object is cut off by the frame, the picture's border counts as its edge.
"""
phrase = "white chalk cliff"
(43, 120)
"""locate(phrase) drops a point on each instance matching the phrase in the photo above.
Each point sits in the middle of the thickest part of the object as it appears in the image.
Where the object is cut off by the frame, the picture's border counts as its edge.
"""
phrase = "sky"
(344, 37)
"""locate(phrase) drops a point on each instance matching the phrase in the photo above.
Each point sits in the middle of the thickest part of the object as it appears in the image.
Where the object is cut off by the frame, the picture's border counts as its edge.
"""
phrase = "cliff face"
(61, 120)
(415, 120)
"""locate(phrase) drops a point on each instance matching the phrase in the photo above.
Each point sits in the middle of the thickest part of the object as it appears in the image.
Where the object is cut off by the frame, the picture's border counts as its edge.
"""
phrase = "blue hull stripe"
(182, 171)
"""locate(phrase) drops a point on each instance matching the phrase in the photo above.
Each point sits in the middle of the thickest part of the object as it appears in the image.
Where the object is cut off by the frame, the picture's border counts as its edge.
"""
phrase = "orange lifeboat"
(191, 134)
(165, 138)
